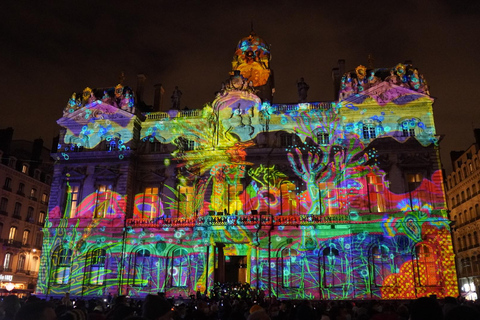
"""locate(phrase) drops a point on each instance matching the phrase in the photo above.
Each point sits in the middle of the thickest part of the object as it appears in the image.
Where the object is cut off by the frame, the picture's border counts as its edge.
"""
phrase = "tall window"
(21, 189)
(142, 268)
(150, 204)
(26, 235)
(375, 194)
(24, 168)
(7, 262)
(382, 264)
(290, 268)
(33, 194)
(72, 200)
(21, 263)
(38, 239)
(3, 205)
(44, 198)
(414, 180)
(103, 201)
(61, 262)
(333, 268)
(187, 202)
(286, 140)
(8, 184)
(369, 131)
(41, 217)
(96, 261)
(12, 234)
(17, 209)
(426, 265)
(179, 268)
(30, 214)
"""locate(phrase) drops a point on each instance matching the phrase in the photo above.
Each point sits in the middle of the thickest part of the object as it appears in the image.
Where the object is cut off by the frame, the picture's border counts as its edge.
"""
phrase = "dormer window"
(25, 168)
(369, 130)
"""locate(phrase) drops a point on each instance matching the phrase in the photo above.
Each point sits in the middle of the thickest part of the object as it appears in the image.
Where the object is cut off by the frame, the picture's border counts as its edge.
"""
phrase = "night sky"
(49, 49)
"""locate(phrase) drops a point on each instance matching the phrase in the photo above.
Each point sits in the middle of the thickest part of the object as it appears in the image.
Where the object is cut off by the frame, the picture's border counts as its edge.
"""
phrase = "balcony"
(17, 216)
(20, 271)
(12, 243)
(246, 220)
(7, 188)
(21, 193)
(30, 219)
(32, 198)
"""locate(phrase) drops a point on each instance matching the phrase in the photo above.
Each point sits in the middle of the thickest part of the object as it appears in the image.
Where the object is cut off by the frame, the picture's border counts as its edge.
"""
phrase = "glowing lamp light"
(9, 286)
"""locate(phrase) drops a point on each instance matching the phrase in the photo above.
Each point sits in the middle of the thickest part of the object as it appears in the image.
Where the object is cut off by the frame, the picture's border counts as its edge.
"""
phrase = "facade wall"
(331, 200)
(462, 186)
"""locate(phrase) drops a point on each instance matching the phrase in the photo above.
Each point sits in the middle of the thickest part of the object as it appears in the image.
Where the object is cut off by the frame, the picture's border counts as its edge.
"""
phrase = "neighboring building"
(463, 186)
(332, 200)
(25, 172)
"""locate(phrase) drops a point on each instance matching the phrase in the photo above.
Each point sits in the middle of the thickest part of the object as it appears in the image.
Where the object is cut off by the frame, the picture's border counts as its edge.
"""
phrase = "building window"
(21, 189)
(286, 140)
(3, 206)
(141, 268)
(33, 194)
(17, 210)
(21, 263)
(24, 168)
(7, 262)
(414, 180)
(44, 198)
(103, 199)
(148, 206)
(408, 128)
(12, 234)
(333, 268)
(375, 193)
(30, 215)
(62, 259)
(382, 264)
(26, 235)
(41, 217)
(187, 201)
(463, 196)
(469, 195)
(8, 184)
(96, 261)
(369, 131)
(322, 137)
(179, 268)
(290, 268)
(426, 266)
(72, 200)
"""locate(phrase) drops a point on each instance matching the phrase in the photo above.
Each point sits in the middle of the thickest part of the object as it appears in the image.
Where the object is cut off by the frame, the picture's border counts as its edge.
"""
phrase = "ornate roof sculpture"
(361, 79)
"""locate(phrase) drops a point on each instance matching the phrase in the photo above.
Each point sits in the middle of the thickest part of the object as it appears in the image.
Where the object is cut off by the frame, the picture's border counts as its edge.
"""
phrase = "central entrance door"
(236, 269)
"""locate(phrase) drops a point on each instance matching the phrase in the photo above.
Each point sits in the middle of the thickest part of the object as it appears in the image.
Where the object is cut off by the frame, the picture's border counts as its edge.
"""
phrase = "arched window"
(21, 263)
(290, 268)
(471, 215)
(26, 236)
(7, 262)
(469, 238)
(382, 264)
(369, 130)
(96, 265)
(474, 189)
(463, 196)
(179, 268)
(142, 266)
(475, 238)
(61, 262)
(333, 268)
(469, 194)
(408, 127)
(427, 272)
(467, 267)
(473, 262)
(459, 244)
(477, 211)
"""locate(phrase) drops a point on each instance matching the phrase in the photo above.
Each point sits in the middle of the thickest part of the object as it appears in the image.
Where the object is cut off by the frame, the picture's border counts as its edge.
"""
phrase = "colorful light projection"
(337, 218)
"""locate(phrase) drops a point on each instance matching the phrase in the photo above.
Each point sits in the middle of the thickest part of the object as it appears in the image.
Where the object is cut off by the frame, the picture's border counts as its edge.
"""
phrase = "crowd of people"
(233, 302)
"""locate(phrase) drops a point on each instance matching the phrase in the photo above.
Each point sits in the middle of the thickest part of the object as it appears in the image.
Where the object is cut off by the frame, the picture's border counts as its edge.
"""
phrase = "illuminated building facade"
(25, 172)
(463, 186)
(332, 200)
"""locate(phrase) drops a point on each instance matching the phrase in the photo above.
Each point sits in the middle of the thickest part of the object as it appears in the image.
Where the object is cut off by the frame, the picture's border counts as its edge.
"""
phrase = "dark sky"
(49, 49)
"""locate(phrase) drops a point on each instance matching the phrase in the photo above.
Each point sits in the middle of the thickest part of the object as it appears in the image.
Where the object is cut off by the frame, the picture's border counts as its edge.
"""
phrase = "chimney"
(37, 149)
(158, 98)
(140, 86)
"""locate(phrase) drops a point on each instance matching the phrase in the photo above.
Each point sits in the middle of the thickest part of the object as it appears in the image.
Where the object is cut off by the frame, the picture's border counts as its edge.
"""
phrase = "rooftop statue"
(176, 96)
(302, 88)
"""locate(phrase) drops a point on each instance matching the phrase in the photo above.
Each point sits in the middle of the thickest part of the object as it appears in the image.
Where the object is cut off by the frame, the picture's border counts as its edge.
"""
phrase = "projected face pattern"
(321, 200)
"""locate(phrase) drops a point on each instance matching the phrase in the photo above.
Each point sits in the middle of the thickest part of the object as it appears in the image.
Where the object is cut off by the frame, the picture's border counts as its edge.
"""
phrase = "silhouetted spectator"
(155, 308)
(426, 309)
(10, 306)
(462, 313)
(41, 310)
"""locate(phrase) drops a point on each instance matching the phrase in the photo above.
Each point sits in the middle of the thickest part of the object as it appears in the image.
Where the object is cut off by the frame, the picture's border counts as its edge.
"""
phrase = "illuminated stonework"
(332, 200)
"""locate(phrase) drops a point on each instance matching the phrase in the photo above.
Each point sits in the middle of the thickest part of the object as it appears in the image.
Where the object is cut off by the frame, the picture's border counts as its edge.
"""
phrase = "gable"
(93, 112)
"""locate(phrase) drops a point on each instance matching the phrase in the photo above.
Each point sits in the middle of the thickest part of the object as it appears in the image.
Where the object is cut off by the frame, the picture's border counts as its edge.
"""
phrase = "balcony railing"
(12, 243)
(245, 220)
